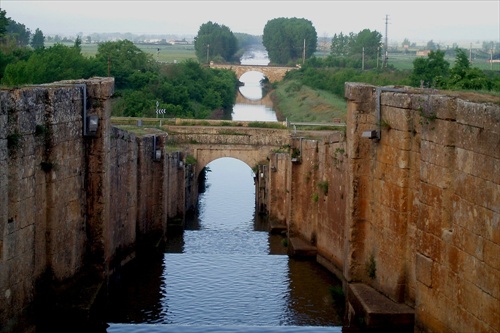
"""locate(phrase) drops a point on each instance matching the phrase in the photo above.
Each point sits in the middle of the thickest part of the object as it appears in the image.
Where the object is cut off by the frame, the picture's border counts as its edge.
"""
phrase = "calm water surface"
(225, 272)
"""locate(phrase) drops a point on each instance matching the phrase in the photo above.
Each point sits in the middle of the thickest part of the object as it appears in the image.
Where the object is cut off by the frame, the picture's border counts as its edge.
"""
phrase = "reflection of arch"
(266, 100)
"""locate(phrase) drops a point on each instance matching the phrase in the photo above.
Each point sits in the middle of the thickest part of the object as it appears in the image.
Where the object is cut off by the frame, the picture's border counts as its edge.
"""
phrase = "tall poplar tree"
(289, 39)
(213, 41)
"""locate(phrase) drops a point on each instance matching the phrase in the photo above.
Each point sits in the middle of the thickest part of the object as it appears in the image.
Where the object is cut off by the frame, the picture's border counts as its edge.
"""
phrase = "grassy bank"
(299, 103)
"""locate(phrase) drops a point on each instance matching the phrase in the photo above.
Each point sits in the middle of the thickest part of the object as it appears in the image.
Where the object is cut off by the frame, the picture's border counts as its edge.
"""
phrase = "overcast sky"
(416, 20)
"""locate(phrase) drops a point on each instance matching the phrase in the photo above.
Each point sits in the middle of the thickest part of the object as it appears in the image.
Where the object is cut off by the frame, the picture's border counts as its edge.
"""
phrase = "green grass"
(299, 103)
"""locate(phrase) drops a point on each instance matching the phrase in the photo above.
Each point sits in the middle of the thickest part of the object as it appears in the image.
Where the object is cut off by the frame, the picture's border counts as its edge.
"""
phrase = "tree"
(214, 40)
(284, 39)
(56, 63)
(3, 22)
(38, 40)
(464, 77)
(19, 32)
(432, 46)
(123, 59)
(370, 41)
(431, 71)
(340, 45)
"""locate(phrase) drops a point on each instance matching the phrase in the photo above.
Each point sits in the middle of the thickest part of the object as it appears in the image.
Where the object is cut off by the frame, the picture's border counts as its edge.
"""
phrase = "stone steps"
(299, 248)
(371, 311)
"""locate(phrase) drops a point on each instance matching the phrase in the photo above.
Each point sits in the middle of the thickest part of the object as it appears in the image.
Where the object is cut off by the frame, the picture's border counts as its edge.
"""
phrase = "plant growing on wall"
(371, 267)
(323, 186)
(190, 160)
(14, 140)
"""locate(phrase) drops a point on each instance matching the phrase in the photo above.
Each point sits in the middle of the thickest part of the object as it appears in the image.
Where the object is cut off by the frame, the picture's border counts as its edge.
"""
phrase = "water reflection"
(218, 272)
(251, 104)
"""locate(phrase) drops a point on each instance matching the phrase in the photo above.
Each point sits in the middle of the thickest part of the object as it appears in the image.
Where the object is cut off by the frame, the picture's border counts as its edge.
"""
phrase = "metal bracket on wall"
(375, 134)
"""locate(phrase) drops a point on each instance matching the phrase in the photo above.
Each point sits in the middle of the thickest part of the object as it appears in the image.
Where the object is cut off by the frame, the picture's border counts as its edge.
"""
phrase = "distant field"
(178, 53)
(402, 61)
(166, 53)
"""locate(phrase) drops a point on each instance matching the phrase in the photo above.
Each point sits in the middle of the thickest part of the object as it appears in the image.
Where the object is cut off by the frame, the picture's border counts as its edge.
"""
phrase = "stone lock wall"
(423, 209)
(72, 205)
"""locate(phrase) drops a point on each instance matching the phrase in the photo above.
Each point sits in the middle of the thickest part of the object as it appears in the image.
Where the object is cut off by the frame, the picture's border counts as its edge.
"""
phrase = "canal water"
(224, 272)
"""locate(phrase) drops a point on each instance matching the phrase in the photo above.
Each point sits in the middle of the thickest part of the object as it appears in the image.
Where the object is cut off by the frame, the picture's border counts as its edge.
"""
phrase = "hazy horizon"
(419, 21)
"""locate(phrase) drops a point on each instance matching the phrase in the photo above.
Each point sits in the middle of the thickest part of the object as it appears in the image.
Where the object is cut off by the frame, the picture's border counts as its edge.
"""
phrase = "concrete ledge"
(301, 249)
(372, 311)
(277, 228)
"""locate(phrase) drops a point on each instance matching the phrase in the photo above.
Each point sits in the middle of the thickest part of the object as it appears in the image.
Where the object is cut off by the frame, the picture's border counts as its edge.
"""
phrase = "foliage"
(38, 40)
(214, 40)
(56, 63)
(431, 71)
(434, 72)
(3, 22)
(323, 186)
(185, 90)
(18, 32)
(340, 45)
(123, 59)
(351, 48)
(371, 267)
(284, 39)
(464, 77)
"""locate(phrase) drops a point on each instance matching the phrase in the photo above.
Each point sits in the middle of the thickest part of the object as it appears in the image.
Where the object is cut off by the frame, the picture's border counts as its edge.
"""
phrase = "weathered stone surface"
(451, 226)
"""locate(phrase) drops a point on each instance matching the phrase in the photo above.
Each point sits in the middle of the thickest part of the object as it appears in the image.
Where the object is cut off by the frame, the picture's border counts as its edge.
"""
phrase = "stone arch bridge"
(273, 73)
(208, 143)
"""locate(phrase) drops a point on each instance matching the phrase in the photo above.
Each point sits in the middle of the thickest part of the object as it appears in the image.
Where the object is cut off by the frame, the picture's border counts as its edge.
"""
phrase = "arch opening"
(226, 195)
(252, 88)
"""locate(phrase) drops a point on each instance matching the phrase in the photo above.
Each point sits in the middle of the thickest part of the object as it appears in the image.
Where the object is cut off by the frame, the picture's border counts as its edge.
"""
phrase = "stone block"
(439, 131)
(429, 245)
(478, 140)
(400, 100)
(393, 156)
(431, 195)
(377, 311)
(437, 154)
(397, 119)
(491, 254)
(487, 279)
(479, 115)
(490, 311)
(396, 138)
(423, 268)
(444, 107)
(359, 92)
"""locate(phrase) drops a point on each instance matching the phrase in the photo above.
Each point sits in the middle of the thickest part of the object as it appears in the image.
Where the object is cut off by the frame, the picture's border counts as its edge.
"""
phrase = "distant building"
(423, 53)
(178, 42)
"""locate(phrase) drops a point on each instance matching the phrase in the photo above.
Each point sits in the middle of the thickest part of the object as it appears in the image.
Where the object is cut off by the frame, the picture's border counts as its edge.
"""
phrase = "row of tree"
(191, 90)
(183, 90)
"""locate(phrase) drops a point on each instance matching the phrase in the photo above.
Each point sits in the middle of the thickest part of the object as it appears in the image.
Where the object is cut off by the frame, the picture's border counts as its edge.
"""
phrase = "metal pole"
(386, 41)
(363, 60)
(304, 52)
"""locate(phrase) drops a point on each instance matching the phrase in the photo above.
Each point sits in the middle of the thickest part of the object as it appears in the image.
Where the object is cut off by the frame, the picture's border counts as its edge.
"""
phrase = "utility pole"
(363, 60)
(470, 53)
(208, 52)
(378, 53)
(491, 56)
(304, 52)
(386, 41)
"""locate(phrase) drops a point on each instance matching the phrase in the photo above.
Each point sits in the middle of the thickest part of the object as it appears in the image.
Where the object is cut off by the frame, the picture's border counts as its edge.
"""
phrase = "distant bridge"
(273, 73)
